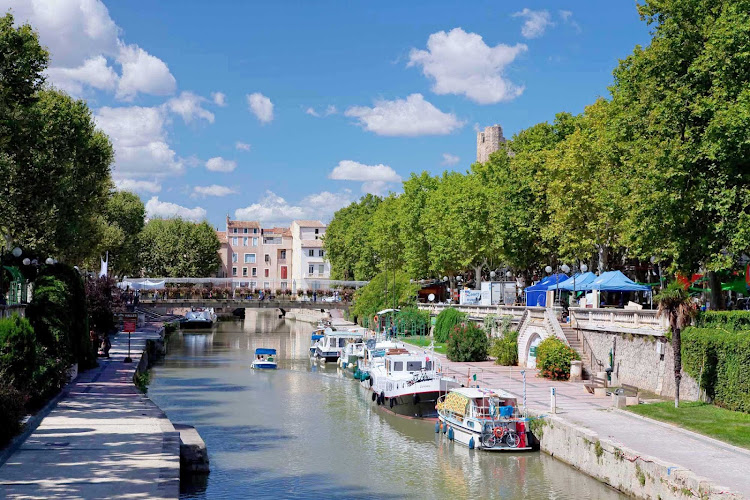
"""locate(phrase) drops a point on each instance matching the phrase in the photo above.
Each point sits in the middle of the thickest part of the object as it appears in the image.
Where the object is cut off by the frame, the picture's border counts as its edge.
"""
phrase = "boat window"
(398, 366)
(428, 365)
(342, 342)
(413, 366)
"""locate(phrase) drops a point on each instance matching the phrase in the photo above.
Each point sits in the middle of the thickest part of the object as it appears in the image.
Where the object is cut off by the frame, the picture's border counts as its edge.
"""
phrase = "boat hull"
(192, 325)
(263, 365)
(473, 439)
(419, 405)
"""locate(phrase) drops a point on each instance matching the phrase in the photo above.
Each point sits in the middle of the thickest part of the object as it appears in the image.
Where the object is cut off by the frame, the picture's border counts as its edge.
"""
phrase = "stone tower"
(488, 142)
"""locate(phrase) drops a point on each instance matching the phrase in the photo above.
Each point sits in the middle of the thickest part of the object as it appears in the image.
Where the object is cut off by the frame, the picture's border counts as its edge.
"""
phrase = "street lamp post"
(445, 279)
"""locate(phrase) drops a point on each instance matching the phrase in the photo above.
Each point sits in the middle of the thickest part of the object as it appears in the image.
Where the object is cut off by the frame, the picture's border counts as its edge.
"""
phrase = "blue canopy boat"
(264, 359)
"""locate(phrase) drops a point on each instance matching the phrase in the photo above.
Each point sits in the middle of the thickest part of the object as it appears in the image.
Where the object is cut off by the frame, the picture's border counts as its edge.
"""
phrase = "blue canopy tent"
(536, 295)
(265, 351)
(615, 281)
(579, 280)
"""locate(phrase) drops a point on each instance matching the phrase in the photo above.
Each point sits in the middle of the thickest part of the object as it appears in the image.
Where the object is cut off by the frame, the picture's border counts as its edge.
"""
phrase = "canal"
(309, 432)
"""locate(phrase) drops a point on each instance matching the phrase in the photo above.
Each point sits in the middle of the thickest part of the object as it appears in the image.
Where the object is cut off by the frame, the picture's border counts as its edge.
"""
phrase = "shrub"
(17, 352)
(720, 360)
(553, 358)
(412, 321)
(505, 349)
(467, 342)
(446, 321)
(731, 320)
(12, 402)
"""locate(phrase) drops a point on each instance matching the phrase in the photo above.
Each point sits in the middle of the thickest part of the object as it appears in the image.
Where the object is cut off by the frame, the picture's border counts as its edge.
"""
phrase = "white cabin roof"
(482, 392)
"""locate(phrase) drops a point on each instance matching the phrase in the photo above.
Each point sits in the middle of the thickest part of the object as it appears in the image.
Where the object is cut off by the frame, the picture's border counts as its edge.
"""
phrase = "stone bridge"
(225, 306)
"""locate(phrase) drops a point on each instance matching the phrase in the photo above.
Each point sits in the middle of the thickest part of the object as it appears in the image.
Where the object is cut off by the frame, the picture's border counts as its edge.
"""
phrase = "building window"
(266, 273)
(255, 242)
(283, 272)
(234, 271)
(321, 268)
(268, 259)
(244, 272)
(244, 242)
(253, 284)
(283, 285)
(234, 241)
(266, 285)
(317, 231)
(244, 231)
(255, 230)
(311, 253)
(249, 258)
(283, 254)
(320, 253)
(255, 271)
(234, 257)
(311, 269)
(234, 230)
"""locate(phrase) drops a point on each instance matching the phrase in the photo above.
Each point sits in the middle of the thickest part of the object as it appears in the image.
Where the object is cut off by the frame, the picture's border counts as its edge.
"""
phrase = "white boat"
(316, 336)
(351, 354)
(484, 419)
(408, 384)
(198, 318)
(264, 359)
(330, 347)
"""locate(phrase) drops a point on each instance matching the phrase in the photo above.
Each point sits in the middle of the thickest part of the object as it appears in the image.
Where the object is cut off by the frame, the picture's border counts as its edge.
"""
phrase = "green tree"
(684, 112)
(372, 298)
(54, 164)
(347, 240)
(179, 248)
(384, 237)
(414, 244)
(125, 213)
(674, 304)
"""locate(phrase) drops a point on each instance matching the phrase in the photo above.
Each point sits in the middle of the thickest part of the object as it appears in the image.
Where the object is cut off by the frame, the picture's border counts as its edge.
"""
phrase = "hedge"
(720, 360)
(553, 358)
(467, 342)
(505, 349)
(731, 320)
(446, 321)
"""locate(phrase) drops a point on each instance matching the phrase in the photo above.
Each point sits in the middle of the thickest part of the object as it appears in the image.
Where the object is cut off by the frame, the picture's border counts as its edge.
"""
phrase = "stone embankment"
(101, 438)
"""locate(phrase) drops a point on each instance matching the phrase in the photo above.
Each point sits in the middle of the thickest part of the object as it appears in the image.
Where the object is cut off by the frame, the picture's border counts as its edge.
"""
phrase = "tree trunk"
(478, 277)
(677, 351)
(717, 299)
(603, 259)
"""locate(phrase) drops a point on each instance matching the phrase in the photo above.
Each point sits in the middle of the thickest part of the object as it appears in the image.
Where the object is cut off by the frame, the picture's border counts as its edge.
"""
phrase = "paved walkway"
(724, 464)
(102, 440)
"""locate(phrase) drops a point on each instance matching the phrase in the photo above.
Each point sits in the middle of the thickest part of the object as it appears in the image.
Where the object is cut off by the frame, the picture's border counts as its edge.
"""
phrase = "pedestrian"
(315, 295)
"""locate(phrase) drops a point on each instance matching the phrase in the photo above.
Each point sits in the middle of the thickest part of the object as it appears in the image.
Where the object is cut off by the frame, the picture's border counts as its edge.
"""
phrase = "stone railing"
(553, 326)
(478, 311)
(639, 322)
(8, 311)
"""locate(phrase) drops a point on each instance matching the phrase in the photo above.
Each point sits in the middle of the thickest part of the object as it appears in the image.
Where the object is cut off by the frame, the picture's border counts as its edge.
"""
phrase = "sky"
(283, 110)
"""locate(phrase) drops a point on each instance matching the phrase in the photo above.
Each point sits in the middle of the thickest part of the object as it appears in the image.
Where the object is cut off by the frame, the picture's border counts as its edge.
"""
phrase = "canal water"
(305, 431)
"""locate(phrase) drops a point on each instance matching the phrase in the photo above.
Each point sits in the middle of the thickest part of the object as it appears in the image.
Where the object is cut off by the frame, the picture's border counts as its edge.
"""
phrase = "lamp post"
(566, 269)
(445, 278)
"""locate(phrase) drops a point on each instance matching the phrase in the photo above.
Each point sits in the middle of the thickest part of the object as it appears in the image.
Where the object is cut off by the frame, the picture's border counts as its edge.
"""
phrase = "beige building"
(272, 258)
(488, 141)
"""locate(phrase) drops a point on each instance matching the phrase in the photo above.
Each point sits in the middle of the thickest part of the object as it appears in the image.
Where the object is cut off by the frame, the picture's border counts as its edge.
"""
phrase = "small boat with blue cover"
(264, 359)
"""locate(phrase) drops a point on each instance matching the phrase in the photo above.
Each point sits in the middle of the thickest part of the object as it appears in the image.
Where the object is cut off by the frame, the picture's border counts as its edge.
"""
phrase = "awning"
(264, 350)
(580, 280)
(615, 281)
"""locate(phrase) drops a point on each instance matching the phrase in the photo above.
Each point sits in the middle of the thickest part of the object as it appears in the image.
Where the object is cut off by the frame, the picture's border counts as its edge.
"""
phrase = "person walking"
(315, 295)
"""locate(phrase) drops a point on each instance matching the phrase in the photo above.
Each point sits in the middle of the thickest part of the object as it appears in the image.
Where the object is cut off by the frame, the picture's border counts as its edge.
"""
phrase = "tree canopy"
(178, 248)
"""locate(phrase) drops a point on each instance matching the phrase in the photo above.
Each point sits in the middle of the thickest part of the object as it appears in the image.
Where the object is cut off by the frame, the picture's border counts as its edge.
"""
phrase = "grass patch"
(424, 342)
(725, 425)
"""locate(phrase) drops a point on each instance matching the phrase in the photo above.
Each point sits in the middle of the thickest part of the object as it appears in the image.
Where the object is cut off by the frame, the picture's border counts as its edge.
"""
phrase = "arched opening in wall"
(530, 357)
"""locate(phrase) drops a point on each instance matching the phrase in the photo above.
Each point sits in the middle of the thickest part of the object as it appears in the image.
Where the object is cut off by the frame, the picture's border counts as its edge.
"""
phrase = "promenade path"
(722, 463)
(103, 439)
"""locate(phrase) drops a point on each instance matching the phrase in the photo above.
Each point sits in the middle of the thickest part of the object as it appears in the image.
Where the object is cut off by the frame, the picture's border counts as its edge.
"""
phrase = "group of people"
(101, 345)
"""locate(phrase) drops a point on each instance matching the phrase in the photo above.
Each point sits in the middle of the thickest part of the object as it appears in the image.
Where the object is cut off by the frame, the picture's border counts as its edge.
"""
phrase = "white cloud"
(212, 190)
(330, 110)
(139, 139)
(461, 63)
(93, 72)
(536, 22)
(156, 209)
(411, 117)
(375, 178)
(142, 72)
(241, 146)
(272, 209)
(567, 18)
(188, 106)
(85, 44)
(219, 98)
(219, 164)
(565, 14)
(449, 159)
(261, 106)
(138, 186)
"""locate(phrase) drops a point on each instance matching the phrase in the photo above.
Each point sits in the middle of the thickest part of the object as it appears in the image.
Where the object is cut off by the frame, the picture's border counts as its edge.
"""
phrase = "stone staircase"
(572, 337)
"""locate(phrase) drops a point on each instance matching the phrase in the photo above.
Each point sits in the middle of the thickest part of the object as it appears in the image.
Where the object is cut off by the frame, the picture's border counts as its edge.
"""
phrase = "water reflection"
(306, 431)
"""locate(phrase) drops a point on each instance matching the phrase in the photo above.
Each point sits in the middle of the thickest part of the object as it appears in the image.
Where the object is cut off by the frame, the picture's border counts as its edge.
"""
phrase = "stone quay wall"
(627, 470)
(644, 361)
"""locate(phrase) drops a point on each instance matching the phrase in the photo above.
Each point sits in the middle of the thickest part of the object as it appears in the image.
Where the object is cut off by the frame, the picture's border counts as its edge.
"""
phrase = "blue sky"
(347, 97)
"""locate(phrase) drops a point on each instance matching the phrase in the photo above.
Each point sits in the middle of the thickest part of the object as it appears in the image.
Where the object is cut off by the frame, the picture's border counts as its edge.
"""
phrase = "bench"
(629, 390)
(595, 382)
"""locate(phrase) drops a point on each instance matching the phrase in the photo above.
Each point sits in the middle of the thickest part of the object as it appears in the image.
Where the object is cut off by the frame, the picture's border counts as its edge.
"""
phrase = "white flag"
(103, 270)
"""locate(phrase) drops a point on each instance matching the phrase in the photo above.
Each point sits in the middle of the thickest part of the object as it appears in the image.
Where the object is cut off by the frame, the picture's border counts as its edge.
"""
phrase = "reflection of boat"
(407, 383)
(198, 318)
(264, 359)
(330, 347)
(483, 419)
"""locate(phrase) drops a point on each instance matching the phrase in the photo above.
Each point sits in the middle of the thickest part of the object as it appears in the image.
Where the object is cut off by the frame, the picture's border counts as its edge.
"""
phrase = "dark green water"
(309, 432)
